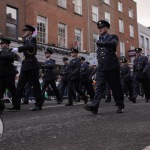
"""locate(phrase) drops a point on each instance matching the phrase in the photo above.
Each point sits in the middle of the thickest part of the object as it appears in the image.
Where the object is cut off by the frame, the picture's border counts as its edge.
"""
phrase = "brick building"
(69, 21)
(126, 27)
(63, 24)
(12, 18)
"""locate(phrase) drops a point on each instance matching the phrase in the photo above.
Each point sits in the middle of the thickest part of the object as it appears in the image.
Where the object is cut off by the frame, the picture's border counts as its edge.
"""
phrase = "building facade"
(144, 39)
(63, 24)
(73, 23)
(12, 18)
(126, 27)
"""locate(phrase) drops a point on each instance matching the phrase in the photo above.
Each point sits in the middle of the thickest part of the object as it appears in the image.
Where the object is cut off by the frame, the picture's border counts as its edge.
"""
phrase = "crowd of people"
(113, 76)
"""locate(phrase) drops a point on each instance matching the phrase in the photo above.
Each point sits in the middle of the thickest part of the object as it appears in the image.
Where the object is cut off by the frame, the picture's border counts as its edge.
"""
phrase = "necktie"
(101, 39)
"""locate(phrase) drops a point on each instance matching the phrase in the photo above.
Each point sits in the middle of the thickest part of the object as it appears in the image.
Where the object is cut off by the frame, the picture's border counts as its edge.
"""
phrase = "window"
(122, 49)
(121, 26)
(131, 31)
(142, 41)
(11, 22)
(147, 43)
(62, 38)
(120, 8)
(132, 59)
(132, 47)
(62, 3)
(78, 38)
(41, 29)
(95, 39)
(107, 2)
(107, 16)
(95, 13)
(131, 13)
(78, 6)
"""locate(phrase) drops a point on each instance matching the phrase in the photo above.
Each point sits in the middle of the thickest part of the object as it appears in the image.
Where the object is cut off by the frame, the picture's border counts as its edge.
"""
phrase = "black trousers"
(7, 82)
(127, 85)
(113, 79)
(27, 91)
(73, 85)
(87, 87)
(63, 87)
(145, 84)
(33, 77)
(108, 92)
(53, 86)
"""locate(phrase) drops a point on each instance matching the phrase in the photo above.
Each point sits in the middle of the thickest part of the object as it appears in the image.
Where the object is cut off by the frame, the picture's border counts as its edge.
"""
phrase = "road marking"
(59, 106)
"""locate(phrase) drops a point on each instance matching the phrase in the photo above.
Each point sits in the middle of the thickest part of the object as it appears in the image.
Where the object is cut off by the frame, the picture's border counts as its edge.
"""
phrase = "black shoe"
(2, 109)
(85, 100)
(69, 104)
(13, 108)
(91, 99)
(77, 101)
(90, 108)
(146, 100)
(36, 108)
(25, 103)
(116, 104)
(103, 97)
(108, 100)
(132, 99)
(120, 111)
(59, 102)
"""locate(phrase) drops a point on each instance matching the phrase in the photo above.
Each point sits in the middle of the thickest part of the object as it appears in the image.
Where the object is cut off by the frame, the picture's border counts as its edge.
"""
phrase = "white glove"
(15, 50)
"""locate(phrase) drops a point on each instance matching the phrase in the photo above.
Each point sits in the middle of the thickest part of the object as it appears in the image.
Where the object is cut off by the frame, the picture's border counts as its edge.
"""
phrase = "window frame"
(62, 4)
(131, 29)
(122, 48)
(44, 38)
(80, 43)
(120, 6)
(130, 10)
(64, 39)
(147, 44)
(95, 39)
(142, 41)
(121, 26)
(132, 47)
(77, 5)
(107, 2)
(13, 24)
(108, 20)
(95, 13)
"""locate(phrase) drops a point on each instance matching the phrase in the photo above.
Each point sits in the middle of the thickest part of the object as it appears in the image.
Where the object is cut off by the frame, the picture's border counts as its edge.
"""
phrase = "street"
(58, 127)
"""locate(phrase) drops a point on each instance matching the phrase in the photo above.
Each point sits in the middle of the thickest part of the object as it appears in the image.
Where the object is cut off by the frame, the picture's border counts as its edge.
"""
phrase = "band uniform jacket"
(92, 72)
(29, 50)
(106, 53)
(74, 69)
(49, 67)
(140, 65)
(147, 71)
(84, 71)
(64, 73)
(125, 72)
(7, 67)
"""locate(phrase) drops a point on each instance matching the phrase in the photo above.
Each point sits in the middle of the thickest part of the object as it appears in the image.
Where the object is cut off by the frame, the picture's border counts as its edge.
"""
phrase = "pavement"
(58, 127)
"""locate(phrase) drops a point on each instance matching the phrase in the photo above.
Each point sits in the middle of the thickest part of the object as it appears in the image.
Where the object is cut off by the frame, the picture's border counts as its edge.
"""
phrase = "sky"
(143, 12)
